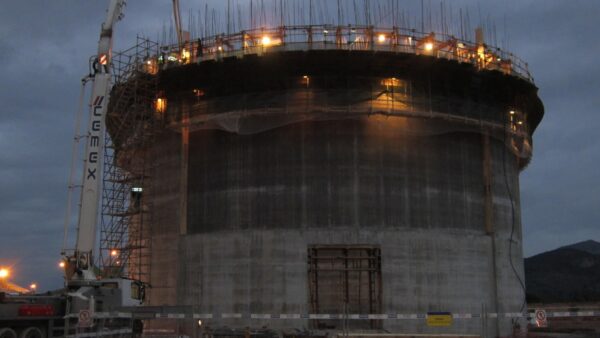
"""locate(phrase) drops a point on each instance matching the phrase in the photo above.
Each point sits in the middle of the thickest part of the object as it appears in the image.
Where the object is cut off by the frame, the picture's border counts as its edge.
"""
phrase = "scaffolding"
(125, 221)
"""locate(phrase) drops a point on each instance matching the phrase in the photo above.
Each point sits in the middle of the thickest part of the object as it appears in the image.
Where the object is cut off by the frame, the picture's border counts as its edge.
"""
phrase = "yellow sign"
(439, 319)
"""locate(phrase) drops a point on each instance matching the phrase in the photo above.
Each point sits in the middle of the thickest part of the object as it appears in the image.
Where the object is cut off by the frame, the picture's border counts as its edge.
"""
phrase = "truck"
(35, 316)
(89, 304)
(73, 312)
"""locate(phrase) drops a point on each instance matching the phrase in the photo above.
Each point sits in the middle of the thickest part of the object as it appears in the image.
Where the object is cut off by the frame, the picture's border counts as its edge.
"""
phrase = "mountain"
(567, 274)
(589, 246)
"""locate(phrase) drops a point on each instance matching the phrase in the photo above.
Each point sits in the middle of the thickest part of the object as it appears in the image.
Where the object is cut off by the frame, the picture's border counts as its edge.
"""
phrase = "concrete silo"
(323, 179)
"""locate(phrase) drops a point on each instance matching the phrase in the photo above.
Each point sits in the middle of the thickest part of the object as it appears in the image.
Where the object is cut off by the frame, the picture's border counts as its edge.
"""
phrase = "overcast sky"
(45, 45)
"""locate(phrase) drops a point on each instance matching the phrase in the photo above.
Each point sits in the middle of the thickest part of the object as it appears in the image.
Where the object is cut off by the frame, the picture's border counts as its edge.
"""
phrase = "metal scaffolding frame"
(125, 232)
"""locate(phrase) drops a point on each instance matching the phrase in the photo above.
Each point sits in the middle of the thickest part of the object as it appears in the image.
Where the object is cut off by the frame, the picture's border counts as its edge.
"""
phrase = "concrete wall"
(256, 202)
(165, 198)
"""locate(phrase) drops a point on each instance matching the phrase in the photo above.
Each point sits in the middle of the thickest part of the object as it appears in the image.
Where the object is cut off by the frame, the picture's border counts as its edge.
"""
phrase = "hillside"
(590, 246)
(567, 274)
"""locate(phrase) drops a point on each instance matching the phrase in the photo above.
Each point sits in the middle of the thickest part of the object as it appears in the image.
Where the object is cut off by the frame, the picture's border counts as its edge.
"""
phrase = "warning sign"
(540, 318)
(439, 319)
(85, 318)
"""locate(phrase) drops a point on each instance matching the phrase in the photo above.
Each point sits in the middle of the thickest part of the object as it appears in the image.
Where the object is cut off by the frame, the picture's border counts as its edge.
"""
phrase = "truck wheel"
(31, 332)
(7, 332)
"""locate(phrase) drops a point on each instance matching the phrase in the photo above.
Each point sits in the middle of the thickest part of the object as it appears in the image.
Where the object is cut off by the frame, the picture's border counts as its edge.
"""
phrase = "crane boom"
(94, 148)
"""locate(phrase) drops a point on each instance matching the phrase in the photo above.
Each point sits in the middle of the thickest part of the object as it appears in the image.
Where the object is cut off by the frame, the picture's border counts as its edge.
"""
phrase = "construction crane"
(80, 265)
(35, 316)
(81, 278)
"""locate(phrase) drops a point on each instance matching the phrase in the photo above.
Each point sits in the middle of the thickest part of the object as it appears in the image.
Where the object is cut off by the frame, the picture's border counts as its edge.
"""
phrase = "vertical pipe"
(422, 17)
(489, 210)
(370, 266)
(316, 267)
(346, 286)
(228, 17)
(281, 15)
(310, 20)
(487, 185)
(183, 182)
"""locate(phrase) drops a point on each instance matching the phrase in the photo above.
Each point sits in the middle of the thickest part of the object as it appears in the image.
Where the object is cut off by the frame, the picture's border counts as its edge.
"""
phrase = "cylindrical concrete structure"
(332, 182)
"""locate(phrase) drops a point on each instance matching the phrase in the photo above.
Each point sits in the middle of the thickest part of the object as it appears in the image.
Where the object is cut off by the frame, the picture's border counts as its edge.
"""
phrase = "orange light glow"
(390, 82)
(151, 66)
(481, 52)
(381, 38)
(4, 273)
(429, 46)
(185, 55)
(103, 59)
(160, 105)
(306, 79)
(114, 253)
(62, 264)
(33, 286)
(266, 40)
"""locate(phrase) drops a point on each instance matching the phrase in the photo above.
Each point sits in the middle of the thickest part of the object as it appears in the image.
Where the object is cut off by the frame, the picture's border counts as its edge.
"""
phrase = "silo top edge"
(329, 37)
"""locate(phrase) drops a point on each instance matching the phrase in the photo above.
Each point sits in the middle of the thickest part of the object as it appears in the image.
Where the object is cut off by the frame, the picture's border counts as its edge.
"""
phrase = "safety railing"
(352, 38)
(166, 312)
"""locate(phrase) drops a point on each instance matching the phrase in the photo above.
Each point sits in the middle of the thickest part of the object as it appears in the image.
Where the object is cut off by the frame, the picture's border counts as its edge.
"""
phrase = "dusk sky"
(44, 52)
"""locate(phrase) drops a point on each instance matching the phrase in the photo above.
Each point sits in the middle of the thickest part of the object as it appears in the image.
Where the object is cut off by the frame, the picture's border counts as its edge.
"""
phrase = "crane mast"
(94, 150)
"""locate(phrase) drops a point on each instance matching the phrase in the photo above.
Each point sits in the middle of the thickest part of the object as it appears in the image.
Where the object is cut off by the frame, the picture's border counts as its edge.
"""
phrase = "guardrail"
(351, 38)
(430, 318)
(385, 316)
